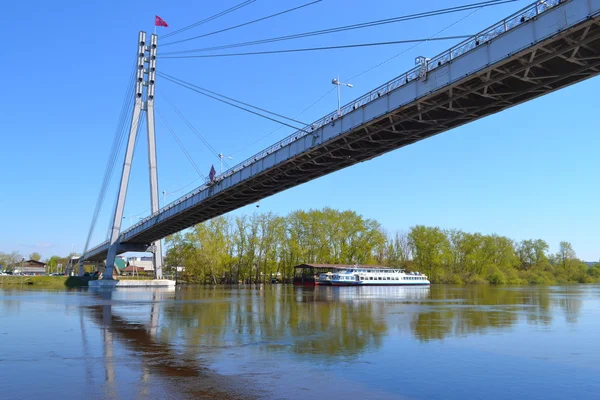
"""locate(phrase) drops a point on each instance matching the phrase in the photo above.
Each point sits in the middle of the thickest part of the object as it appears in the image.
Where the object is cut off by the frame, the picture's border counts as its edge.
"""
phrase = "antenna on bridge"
(144, 102)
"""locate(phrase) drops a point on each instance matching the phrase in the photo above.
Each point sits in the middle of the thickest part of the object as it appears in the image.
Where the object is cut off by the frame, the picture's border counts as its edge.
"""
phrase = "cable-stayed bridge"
(544, 47)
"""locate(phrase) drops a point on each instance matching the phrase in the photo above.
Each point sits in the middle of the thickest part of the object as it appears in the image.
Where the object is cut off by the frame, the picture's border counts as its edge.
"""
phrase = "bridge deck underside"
(565, 59)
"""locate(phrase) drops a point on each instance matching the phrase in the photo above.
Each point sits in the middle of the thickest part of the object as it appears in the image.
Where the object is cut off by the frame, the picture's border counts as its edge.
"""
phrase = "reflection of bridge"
(544, 47)
(141, 337)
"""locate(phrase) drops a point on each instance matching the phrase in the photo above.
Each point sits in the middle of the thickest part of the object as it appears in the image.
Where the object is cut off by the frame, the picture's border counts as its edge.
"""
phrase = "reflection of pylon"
(145, 77)
(109, 367)
(154, 317)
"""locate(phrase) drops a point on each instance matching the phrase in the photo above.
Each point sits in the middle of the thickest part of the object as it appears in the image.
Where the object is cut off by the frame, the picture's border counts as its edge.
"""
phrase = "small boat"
(378, 277)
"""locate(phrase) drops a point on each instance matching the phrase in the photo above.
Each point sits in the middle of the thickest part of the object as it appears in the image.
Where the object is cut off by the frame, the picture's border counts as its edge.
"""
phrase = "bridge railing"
(508, 23)
(93, 249)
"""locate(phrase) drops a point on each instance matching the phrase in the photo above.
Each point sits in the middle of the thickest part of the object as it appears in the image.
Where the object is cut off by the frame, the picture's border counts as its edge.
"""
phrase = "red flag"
(212, 173)
(158, 21)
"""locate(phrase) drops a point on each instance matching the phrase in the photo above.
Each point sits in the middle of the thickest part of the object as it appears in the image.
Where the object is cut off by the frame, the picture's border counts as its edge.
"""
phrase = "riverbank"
(61, 282)
(46, 282)
(52, 282)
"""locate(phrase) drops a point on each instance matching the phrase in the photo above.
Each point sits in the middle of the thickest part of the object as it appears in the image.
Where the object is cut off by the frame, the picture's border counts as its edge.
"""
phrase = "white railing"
(514, 20)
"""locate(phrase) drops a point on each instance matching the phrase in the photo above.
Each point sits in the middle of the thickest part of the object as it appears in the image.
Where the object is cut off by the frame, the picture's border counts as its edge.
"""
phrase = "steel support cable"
(189, 157)
(414, 46)
(360, 74)
(191, 126)
(117, 146)
(277, 129)
(403, 18)
(243, 24)
(113, 162)
(175, 191)
(346, 46)
(234, 100)
(184, 187)
(169, 192)
(212, 17)
(126, 108)
(193, 88)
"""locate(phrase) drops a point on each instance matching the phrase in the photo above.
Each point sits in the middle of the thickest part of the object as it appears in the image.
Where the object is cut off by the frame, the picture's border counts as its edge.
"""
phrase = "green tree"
(35, 256)
(565, 253)
(398, 252)
(532, 252)
(430, 249)
(52, 263)
(252, 249)
(10, 260)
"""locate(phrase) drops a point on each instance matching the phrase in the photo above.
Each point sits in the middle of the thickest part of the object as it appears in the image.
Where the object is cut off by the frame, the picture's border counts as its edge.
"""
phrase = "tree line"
(263, 246)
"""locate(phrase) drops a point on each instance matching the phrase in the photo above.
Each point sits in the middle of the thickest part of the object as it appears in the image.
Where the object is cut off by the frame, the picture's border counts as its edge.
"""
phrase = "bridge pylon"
(143, 103)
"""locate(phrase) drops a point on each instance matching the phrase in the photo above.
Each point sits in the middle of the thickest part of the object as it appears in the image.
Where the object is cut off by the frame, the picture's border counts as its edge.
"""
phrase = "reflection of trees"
(570, 302)
(343, 322)
(477, 309)
(346, 321)
(324, 324)
(313, 320)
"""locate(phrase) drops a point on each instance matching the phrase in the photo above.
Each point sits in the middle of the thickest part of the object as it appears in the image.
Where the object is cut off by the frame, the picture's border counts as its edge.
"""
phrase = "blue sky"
(528, 172)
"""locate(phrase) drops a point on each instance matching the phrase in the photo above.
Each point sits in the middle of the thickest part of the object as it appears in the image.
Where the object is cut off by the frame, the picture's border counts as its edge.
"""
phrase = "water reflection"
(345, 321)
(179, 333)
(322, 321)
(132, 317)
(136, 335)
(213, 342)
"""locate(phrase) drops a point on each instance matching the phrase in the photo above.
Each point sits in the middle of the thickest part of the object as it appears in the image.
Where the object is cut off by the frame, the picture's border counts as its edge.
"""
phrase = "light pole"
(336, 81)
(221, 157)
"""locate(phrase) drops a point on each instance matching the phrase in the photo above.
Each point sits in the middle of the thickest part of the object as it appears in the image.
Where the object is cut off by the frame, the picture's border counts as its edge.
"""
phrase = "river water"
(281, 342)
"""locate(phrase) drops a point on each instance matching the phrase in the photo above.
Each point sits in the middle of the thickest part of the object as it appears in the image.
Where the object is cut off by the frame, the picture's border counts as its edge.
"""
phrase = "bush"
(476, 280)
(594, 271)
(455, 279)
(536, 277)
(497, 277)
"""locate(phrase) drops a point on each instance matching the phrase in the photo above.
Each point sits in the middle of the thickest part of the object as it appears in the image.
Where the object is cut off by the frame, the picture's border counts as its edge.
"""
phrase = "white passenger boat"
(383, 276)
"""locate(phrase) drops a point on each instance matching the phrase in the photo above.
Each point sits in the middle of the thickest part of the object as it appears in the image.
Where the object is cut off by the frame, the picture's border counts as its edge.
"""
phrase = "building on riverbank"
(144, 264)
(32, 267)
(133, 270)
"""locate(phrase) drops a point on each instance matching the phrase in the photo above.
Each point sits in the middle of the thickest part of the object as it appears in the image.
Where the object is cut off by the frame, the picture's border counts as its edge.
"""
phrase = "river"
(281, 342)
